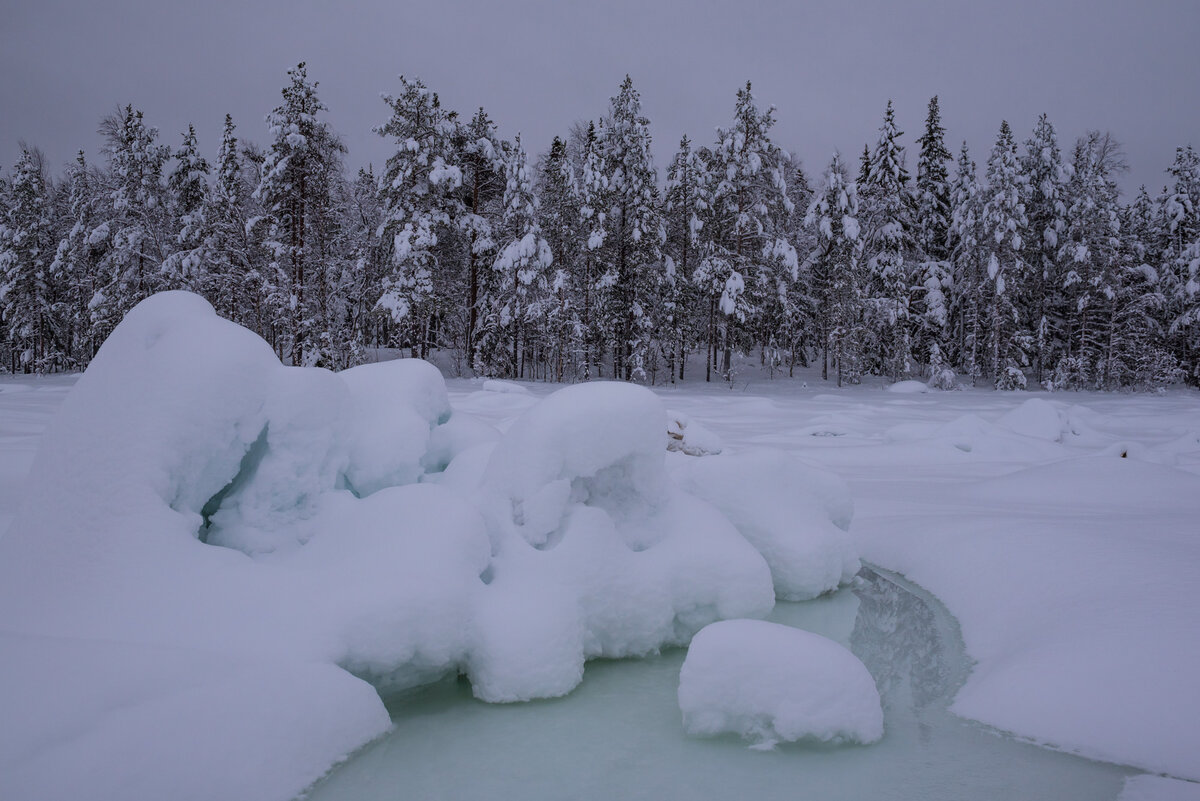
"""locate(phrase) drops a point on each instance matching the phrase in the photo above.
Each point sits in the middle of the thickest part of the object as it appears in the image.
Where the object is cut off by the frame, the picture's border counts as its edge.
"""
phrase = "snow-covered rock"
(909, 387)
(770, 683)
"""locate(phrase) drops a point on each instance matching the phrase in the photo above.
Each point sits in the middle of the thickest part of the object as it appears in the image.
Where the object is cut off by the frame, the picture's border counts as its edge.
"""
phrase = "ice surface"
(771, 683)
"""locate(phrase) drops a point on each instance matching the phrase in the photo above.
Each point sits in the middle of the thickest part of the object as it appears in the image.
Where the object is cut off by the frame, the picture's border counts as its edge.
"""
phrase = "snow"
(1158, 788)
(769, 683)
(385, 526)
(794, 515)
(230, 547)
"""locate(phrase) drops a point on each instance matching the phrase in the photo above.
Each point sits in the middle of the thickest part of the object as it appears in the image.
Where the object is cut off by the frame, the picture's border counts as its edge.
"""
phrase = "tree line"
(580, 264)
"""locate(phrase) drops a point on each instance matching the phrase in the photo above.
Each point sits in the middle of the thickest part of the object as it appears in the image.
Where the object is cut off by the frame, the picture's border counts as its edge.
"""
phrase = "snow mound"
(909, 387)
(770, 683)
(397, 406)
(1035, 418)
(794, 515)
(196, 503)
(596, 553)
(688, 437)
(506, 387)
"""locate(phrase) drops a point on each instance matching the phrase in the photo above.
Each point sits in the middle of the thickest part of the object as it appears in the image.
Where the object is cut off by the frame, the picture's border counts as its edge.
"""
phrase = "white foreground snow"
(770, 683)
(214, 550)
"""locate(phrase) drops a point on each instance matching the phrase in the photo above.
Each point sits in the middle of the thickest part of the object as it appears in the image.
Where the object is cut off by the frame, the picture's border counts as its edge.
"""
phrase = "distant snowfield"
(1062, 531)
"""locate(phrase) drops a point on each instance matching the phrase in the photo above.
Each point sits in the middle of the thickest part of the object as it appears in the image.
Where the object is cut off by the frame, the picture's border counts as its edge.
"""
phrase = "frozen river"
(618, 736)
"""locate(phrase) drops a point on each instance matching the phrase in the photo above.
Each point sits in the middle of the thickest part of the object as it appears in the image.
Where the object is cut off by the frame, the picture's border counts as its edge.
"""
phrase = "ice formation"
(769, 683)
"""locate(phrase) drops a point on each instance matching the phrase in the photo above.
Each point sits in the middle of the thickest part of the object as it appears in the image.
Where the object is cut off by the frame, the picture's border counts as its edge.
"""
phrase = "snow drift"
(215, 537)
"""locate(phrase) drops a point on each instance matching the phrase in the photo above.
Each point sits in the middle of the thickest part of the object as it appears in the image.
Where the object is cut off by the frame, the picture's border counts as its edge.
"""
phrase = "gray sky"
(829, 66)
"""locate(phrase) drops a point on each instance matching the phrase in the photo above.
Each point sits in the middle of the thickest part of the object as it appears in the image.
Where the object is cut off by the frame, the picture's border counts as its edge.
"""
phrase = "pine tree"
(419, 202)
(76, 262)
(966, 236)
(933, 188)
(186, 266)
(1181, 261)
(687, 200)
(1046, 209)
(296, 190)
(478, 154)
(558, 210)
(593, 218)
(749, 256)
(835, 269)
(137, 233)
(27, 248)
(1090, 258)
(1004, 225)
(890, 246)
(632, 231)
(517, 299)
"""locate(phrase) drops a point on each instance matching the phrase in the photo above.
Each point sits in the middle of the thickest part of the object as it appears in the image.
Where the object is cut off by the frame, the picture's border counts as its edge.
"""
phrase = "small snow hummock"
(909, 387)
(771, 683)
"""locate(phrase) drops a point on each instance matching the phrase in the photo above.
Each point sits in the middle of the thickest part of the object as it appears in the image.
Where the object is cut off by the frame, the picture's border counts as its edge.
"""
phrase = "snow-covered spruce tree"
(477, 152)
(1004, 225)
(419, 200)
(138, 234)
(890, 247)
(687, 201)
(631, 249)
(749, 256)
(932, 234)
(593, 284)
(27, 248)
(76, 263)
(232, 282)
(362, 215)
(558, 215)
(1181, 261)
(296, 190)
(835, 267)
(967, 257)
(1136, 355)
(518, 295)
(1046, 209)
(1089, 256)
(933, 188)
(186, 266)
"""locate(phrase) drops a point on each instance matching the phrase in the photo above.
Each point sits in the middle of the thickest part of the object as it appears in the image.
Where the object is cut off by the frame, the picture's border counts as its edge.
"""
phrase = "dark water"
(619, 735)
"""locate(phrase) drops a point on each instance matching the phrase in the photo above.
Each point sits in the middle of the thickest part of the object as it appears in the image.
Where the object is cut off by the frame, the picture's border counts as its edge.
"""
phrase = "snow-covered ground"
(1060, 530)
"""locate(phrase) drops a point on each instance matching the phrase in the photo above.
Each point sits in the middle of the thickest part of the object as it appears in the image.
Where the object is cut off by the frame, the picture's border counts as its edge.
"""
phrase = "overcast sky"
(1132, 68)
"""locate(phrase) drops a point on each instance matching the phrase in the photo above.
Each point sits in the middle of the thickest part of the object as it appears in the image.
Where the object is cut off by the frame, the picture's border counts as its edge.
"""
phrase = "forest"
(585, 262)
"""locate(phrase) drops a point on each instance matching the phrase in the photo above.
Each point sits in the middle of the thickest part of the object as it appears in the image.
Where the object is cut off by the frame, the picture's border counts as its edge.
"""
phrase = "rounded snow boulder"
(769, 683)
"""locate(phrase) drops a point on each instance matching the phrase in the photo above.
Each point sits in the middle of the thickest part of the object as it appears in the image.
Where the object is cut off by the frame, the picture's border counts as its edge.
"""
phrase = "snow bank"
(794, 515)
(223, 548)
(771, 683)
